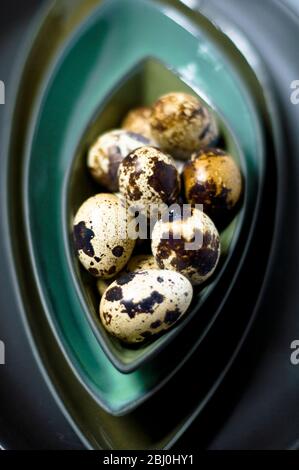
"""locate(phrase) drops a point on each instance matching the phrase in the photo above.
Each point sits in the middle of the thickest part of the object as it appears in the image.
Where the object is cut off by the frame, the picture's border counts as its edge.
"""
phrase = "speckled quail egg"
(101, 235)
(147, 177)
(108, 151)
(141, 304)
(187, 243)
(181, 124)
(212, 178)
(141, 262)
(137, 120)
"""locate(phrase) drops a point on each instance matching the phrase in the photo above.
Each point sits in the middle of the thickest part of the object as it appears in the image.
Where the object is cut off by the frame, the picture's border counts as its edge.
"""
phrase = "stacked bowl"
(97, 60)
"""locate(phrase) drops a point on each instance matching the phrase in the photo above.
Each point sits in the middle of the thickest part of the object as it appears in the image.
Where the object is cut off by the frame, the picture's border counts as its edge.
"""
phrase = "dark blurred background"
(29, 416)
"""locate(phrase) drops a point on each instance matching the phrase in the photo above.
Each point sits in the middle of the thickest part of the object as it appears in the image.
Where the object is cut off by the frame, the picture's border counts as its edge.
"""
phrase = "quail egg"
(212, 178)
(188, 243)
(141, 304)
(137, 120)
(141, 262)
(101, 235)
(108, 151)
(181, 124)
(148, 177)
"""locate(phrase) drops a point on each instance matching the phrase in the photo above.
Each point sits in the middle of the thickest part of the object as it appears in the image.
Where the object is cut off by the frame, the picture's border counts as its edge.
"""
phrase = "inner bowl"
(141, 86)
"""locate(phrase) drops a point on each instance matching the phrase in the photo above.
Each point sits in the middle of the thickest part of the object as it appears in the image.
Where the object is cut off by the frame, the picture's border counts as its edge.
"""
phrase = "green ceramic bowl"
(94, 61)
(141, 86)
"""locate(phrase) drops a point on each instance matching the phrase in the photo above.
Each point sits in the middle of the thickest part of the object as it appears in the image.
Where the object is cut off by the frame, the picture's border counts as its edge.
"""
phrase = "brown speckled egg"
(212, 178)
(141, 304)
(137, 120)
(108, 151)
(147, 177)
(101, 235)
(187, 244)
(182, 125)
(141, 262)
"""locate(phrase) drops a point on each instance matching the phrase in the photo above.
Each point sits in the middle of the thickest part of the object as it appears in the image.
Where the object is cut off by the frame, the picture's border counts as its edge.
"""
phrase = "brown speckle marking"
(93, 271)
(107, 318)
(114, 294)
(143, 306)
(156, 324)
(164, 180)
(172, 316)
(125, 279)
(82, 239)
(112, 270)
(118, 251)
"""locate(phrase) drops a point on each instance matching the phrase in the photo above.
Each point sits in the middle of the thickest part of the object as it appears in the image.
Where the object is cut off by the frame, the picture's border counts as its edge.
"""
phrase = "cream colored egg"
(137, 120)
(108, 151)
(189, 244)
(141, 304)
(101, 235)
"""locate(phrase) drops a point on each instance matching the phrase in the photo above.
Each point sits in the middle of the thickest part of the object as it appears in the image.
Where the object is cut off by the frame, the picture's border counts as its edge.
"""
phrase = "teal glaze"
(118, 35)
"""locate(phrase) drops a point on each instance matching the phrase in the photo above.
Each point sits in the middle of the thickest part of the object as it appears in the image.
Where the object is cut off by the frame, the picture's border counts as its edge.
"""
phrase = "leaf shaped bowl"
(141, 86)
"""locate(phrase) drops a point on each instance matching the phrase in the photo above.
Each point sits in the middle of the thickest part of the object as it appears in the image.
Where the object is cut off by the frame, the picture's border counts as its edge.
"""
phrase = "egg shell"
(213, 178)
(108, 151)
(141, 304)
(100, 232)
(172, 250)
(137, 120)
(147, 177)
(141, 262)
(181, 124)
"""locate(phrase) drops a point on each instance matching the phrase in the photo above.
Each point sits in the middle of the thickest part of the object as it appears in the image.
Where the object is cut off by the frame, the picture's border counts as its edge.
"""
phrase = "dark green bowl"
(82, 78)
(154, 424)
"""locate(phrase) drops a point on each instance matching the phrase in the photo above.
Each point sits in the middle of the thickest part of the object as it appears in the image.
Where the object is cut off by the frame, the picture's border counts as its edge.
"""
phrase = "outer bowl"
(80, 371)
